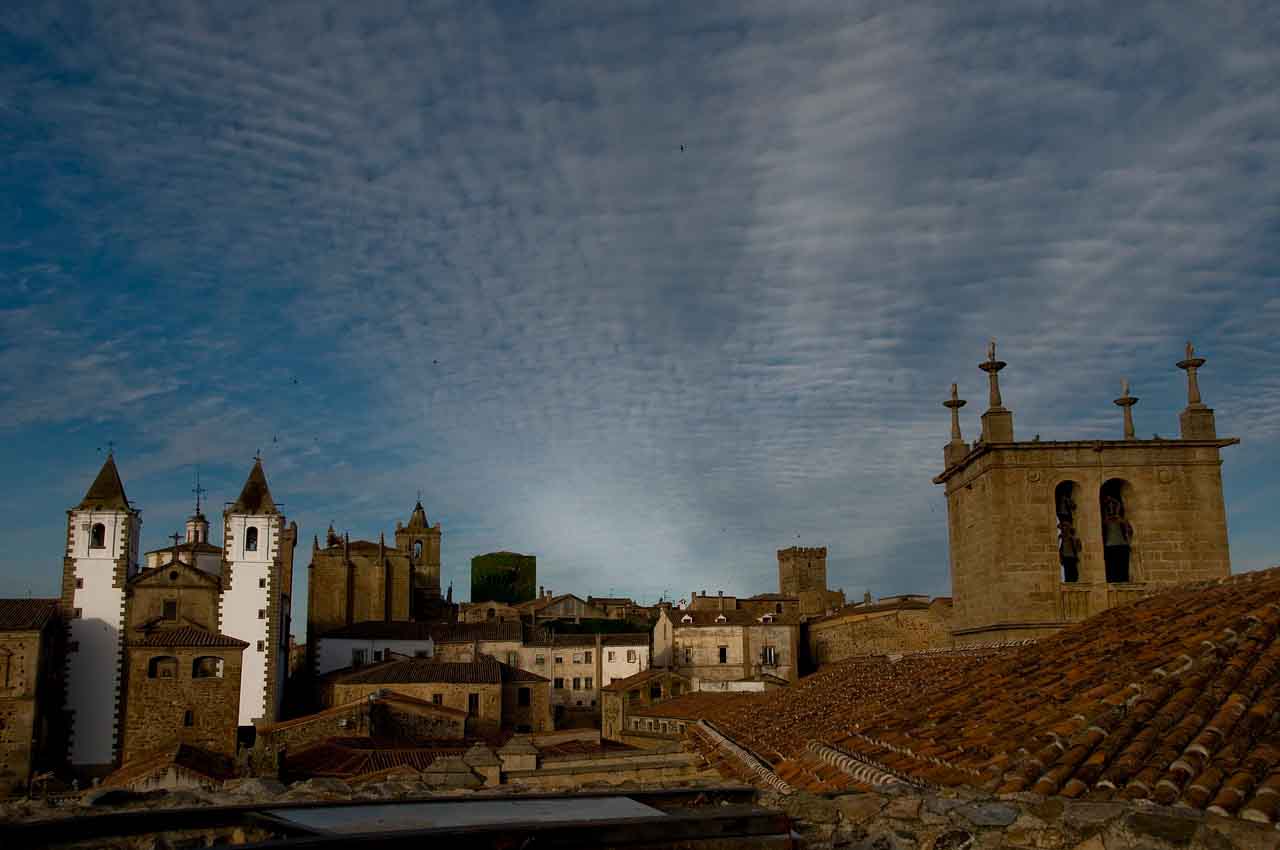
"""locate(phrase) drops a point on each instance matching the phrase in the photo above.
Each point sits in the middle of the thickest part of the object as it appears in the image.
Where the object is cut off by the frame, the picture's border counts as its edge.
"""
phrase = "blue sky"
(460, 248)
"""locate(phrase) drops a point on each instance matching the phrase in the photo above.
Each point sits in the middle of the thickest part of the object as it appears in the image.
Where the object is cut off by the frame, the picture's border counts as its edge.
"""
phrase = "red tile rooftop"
(1174, 699)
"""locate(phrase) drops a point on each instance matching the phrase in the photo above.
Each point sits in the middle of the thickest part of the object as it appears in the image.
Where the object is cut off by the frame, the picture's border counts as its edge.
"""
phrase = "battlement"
(803, 552)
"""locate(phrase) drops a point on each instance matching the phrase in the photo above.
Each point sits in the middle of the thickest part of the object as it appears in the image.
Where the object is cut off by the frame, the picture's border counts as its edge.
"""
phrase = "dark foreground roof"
(26, 615)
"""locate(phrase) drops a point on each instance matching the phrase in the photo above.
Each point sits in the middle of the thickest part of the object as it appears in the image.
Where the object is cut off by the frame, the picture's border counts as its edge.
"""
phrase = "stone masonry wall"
(1004, 544)
(155, 709)
(909, 630)
(488, 721)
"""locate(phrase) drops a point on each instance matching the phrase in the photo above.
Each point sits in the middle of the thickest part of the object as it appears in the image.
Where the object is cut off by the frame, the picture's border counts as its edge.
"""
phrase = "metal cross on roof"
(177, 538)
(198, 490)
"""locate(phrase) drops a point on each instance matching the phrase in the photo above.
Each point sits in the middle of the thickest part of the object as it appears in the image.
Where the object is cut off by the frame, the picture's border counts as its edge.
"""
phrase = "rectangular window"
(769, 656)
(262, 582)
(558, 683)
(262, 614)
(724, 655)
(559, 659)
(437, 699)
(688, 655)
(73, 646)
(377, 655)
(577, 658)
(77, 613)
(586, 657)
(189, 719)
(586, 683)
(262, 646)
(170, 609)
(611, 655)
(358, 657)
(79, 584)
(540, 660)
(577, 683)
(522, 697)
(631, 656)
(473, 704)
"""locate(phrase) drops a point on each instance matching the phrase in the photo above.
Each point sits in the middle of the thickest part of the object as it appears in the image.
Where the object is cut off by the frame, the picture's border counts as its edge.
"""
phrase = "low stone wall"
(646, 766)
(919, 821)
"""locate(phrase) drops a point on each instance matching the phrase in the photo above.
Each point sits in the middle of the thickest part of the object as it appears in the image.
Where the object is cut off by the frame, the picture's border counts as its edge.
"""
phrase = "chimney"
(539, 591)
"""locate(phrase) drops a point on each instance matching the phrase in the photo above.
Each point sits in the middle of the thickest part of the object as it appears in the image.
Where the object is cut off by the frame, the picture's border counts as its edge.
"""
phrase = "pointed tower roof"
(418, 519)
(255, 498)
(106, 493)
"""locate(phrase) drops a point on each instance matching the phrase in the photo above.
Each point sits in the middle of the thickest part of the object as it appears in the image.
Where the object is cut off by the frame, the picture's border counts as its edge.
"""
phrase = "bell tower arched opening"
(1065, 505)
(1115, 496)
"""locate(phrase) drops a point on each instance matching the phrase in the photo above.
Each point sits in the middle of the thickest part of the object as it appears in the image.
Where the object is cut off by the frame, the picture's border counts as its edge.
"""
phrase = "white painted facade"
(623, 661)
(247, 604)
(338, 653)
(94, 656)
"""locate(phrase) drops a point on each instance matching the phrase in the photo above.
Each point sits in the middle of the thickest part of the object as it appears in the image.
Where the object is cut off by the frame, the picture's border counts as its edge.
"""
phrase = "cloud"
(648, 295)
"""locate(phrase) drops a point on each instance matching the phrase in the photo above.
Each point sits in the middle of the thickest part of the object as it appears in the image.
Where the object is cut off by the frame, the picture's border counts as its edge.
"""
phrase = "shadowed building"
(30, 690)
(503, 577)
(361, 581)
(1044, 534)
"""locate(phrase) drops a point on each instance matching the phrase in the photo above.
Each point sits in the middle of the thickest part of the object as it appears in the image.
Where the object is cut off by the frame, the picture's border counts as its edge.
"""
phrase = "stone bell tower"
(422, 541)
(1045, 534)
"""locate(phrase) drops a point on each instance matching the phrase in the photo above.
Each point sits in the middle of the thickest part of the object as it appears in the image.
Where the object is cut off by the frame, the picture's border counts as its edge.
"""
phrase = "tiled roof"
(694, 706)
(1174, 699)
(517, 674)
(186, 636)
(547, 638)
(106, 493)
(422, 670)
(349, 757)
(856, 608)
(735, 617)
(609, 600)
(26, 615)
(181, 567)
(640, 678)
(207, 548)
(213, 766)
(771, 597)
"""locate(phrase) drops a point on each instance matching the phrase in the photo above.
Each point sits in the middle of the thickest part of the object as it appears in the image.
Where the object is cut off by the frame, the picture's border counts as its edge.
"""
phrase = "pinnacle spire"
(106, 493)
(255, 498)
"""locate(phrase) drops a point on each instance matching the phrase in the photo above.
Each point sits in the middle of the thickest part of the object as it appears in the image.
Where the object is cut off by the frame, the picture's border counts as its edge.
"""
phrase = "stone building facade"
(31, 731)
(727, 646)
(1044, 534)
(236, 605)
(908, 623)
(802, 574)
(635, 693)
(481, 688)
(360, 581)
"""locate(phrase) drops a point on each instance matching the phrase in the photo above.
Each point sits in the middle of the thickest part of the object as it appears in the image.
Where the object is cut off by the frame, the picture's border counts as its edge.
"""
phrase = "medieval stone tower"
(257, 589)
(422, 541)
(101, 556)
(1045, 534)
(802, 573)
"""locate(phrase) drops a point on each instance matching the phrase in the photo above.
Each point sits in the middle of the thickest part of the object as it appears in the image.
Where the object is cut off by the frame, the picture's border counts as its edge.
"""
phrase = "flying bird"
(682, 147)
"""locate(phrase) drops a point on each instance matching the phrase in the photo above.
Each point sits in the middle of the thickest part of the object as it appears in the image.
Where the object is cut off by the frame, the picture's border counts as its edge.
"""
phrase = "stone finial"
(997, 422)
(1127, 402)
(1190, 365)
(1196, 419)
(955, 403)
(992, 367)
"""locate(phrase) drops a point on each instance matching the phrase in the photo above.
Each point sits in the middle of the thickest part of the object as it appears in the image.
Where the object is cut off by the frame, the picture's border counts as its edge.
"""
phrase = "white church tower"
(101, 556)
(257, 586)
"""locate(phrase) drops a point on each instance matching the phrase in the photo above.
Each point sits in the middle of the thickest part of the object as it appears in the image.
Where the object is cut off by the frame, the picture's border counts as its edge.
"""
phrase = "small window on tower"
(262, 582)
(262, 646)
(98, 536)
(251, 540)
(189, 719)
(79, 584)
(262, 614)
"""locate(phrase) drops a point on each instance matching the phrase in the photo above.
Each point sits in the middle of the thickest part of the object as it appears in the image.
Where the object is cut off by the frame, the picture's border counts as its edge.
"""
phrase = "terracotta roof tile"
(187, 636)
(26, 615)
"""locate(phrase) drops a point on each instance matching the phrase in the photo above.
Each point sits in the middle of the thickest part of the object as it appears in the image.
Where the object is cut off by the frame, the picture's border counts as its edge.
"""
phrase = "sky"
(647, 290)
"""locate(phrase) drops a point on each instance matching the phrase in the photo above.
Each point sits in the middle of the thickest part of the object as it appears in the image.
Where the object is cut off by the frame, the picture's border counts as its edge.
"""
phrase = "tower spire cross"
(198, 490)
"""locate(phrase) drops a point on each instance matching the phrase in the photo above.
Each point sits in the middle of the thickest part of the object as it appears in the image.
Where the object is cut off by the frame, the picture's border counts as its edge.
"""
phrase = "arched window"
(251, 540)
(417, 551)
(163, 667)
(1117, 533)
(98, 536)
(207, 667)
(1065, 504)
